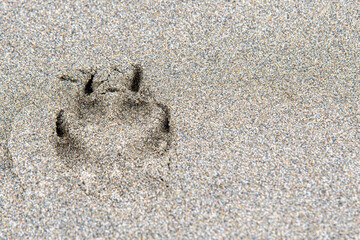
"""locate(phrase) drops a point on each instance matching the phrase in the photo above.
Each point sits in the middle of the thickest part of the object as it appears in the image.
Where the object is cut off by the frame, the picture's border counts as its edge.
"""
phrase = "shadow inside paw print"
(112, 134)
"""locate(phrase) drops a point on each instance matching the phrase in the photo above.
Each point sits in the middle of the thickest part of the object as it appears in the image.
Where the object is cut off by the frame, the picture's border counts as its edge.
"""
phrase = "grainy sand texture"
(264, 103)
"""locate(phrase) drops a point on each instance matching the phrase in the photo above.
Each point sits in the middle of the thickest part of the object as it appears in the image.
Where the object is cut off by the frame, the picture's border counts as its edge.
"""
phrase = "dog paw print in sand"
(109, 137)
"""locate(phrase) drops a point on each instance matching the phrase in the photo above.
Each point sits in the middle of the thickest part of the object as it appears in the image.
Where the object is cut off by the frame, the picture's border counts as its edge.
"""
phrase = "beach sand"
(264, 99)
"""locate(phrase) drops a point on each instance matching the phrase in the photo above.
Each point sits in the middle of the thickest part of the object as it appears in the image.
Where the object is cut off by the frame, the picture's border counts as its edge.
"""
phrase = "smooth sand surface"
(264, 98)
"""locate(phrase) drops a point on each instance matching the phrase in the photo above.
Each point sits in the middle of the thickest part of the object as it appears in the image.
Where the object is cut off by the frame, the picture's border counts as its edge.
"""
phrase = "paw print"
(112, 129)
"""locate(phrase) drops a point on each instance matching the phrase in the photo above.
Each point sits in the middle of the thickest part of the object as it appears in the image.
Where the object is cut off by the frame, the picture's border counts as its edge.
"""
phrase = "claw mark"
(166, 121)
(166, 125)
(88, 87)
(60, 131)
(136, 80)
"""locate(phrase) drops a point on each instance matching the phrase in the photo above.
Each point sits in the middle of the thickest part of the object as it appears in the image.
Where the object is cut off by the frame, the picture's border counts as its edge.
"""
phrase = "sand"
(264, 99)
